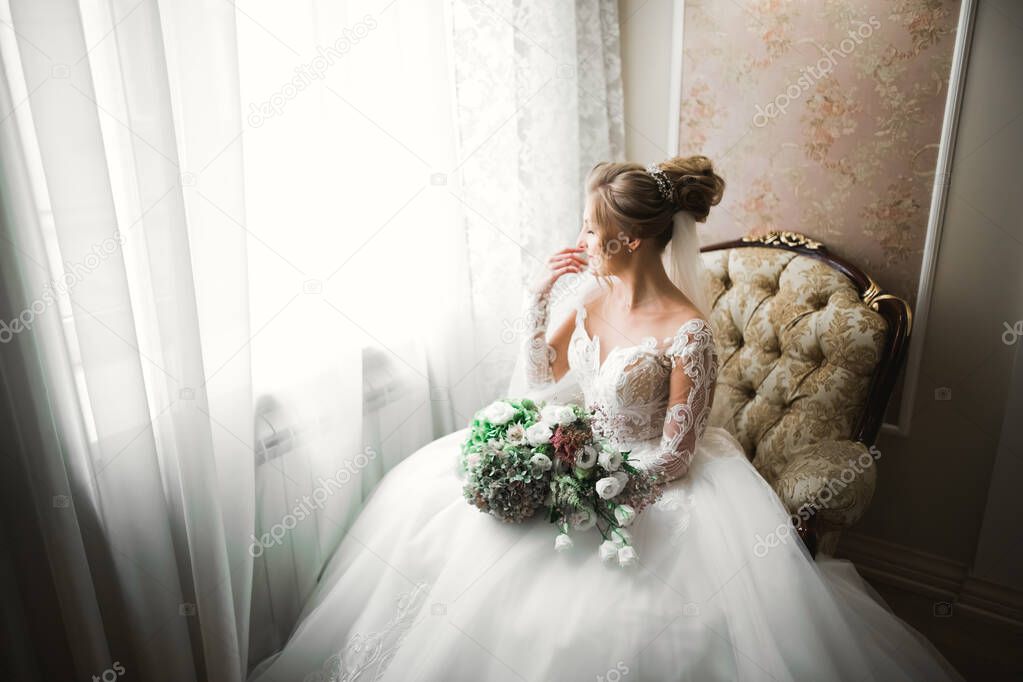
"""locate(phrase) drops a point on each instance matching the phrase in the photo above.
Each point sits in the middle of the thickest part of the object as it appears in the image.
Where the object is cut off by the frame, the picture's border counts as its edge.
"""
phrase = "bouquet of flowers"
(505, 460)
(521, 455)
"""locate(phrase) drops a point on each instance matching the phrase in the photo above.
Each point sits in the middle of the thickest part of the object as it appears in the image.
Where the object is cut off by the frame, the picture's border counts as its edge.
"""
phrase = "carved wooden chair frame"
(896, 313)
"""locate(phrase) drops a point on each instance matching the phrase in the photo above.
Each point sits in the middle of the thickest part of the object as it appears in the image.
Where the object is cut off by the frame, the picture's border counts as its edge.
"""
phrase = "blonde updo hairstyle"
(627, 203)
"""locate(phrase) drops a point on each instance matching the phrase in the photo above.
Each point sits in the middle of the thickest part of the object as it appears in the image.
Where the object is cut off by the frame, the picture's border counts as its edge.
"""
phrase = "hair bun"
(696, 187)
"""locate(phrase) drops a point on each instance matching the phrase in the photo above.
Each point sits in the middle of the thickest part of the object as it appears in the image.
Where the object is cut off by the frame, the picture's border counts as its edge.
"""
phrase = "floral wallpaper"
(824, 117)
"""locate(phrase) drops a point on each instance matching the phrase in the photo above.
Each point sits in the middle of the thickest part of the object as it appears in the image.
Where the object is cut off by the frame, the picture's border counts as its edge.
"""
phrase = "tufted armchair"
(809, 348)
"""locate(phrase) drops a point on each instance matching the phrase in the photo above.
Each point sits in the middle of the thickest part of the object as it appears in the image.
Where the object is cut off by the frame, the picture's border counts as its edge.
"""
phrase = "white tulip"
(608, 550)
(627, 556)
(562, 542)
(621, 537)
(624, 514)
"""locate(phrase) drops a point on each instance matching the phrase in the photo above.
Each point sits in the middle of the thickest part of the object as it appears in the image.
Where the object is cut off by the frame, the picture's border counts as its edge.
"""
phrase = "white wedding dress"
(425, 587)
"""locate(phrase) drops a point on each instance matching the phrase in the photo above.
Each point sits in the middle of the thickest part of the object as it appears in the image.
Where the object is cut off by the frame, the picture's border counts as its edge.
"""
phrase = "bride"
(423, 587)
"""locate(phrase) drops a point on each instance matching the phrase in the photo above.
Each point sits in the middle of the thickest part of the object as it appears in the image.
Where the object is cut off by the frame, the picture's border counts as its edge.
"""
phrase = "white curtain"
(254, 254)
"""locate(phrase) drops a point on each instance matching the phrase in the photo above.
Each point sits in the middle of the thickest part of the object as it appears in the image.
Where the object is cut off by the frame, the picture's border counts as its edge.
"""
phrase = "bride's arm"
(690, 395)
(546, 360)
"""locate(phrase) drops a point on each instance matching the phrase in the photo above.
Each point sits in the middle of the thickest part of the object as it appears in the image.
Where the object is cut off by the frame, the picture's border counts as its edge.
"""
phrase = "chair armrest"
(834, 479)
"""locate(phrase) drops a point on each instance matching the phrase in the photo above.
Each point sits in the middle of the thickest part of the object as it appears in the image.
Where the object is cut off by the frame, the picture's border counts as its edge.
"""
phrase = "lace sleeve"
(690, 395)
(539, 355)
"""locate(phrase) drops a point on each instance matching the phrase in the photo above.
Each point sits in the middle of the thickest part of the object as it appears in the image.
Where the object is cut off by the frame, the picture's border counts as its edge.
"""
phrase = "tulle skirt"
(425, 587)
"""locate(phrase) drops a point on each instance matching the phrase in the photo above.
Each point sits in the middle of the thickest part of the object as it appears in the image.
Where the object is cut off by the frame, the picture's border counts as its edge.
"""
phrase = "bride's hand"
(569, 259)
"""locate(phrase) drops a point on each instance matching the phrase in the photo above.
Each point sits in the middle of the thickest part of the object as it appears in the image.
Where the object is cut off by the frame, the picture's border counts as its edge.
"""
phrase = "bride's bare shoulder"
(593, 300)
(684, 322)
(680, 312)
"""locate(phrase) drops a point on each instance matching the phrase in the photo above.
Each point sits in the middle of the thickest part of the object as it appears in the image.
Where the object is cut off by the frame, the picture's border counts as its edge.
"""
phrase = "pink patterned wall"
(824, 118)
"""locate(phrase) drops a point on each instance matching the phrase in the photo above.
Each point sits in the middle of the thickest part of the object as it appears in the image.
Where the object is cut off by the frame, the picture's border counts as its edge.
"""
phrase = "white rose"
(498, 412)
(562, 542)
(608, 487)
(621, 537)
(627, 556)
(608, 550)
(540, 461)
(622, 477)
(610, 459)
(557, 414)
(539, 433)
(586, 457)
(624, 514)
(582, 519)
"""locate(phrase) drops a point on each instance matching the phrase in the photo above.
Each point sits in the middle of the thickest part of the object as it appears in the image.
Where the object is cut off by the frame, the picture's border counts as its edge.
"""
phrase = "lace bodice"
(652, 391)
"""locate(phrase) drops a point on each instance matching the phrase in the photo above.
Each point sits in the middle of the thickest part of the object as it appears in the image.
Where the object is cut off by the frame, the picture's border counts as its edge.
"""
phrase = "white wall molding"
(933, 577)
(678, 13)
(936, 217)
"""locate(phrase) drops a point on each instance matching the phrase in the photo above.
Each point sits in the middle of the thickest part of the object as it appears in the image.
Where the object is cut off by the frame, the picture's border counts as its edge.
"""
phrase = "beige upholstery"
(798, 349)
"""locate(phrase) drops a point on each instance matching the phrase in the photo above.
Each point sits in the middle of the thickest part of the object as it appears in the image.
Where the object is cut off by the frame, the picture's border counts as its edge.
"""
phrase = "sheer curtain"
(254, 254)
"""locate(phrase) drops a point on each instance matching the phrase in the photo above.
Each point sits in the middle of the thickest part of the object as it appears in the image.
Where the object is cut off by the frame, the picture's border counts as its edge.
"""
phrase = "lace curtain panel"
(296, 207)
(538, 95)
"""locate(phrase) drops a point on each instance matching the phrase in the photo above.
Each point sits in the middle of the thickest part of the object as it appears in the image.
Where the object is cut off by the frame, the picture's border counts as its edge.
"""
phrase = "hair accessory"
(663, 183)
